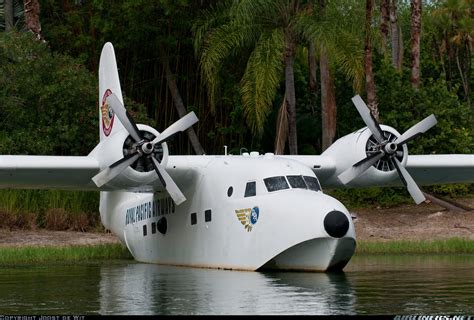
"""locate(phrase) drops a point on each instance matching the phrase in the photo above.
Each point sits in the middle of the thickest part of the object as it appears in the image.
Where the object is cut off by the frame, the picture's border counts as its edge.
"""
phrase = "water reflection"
(370, 285)
(151, 289)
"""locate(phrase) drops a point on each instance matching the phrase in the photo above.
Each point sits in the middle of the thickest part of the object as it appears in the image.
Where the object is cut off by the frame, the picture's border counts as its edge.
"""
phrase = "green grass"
(74, 254)
(448, 246)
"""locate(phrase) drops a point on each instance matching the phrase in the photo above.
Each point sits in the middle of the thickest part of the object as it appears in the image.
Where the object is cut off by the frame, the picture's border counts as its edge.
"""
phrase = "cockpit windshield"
(312, 183)
(276, 183)
(295, 181)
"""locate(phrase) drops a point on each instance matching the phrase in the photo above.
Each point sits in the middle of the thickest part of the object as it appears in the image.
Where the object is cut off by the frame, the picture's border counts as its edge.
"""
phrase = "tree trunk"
(396, 58)
(9, 18)
(369, 75)
(415, 42)
(313, 80)
(32, 17)
(328, 102)
(178, 102)
(384, 20)
(281, 134)
(290, 96)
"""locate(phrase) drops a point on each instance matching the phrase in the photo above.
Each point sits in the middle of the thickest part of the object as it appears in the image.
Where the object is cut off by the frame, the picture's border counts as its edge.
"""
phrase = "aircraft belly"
(276, 240)
(319, 254)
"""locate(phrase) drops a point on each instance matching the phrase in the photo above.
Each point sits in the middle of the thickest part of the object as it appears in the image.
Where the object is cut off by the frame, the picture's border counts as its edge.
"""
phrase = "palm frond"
(262, 77)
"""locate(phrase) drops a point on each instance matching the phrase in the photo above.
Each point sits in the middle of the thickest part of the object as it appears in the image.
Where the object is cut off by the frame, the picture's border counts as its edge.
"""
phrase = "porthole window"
(162, 225)
(230, 191)
(193, 218)
(144, 230)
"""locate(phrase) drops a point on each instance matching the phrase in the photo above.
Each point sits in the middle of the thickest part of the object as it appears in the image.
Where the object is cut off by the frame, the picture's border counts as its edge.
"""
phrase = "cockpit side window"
(250, 189)
(312, 183)
(296, 182)
(276, 183)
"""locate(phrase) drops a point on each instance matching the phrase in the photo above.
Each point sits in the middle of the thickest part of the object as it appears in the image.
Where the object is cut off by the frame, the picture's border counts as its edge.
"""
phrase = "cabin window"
(276, 183)
(162, 225)
(250, 189)
(230, 191)
(153, 227)
(296, 182)
(193, 218)
(144, 230)
(207, 215)
(312, 183)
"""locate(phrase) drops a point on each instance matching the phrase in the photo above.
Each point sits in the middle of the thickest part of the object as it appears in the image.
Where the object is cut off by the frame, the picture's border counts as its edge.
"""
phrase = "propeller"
(387, 148)
(144, 148)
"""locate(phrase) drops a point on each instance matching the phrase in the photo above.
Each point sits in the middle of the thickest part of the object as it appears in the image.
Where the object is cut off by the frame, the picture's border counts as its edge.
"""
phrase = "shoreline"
(50, 254)
(405, 229)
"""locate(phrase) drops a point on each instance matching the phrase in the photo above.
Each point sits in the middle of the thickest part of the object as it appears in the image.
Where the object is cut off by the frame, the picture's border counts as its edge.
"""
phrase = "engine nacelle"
(141, 173)
(356, 146)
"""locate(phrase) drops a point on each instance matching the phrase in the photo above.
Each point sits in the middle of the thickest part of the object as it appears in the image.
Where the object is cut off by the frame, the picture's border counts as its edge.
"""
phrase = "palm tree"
(415, 42)
(270, 28)
(396, 34)
(454, 24)
(273, 29)
(369, 75)
(10, 10)
(32, 17)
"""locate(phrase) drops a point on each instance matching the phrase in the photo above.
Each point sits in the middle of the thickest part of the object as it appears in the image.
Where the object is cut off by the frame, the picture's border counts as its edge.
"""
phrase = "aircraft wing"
(425, 170)
(48, 172)
(442, 168)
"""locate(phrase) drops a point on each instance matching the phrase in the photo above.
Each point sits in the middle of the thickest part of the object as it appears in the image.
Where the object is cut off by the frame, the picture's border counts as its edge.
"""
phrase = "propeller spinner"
(387, 149)
(143, 148)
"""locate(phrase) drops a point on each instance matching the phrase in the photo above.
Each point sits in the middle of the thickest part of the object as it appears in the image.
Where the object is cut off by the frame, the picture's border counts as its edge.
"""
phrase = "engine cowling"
(140, 173)
(354, 147)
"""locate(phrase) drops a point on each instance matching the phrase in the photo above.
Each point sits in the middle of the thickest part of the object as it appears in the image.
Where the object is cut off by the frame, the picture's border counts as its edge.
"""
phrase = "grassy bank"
(33, 255)
(447, 246)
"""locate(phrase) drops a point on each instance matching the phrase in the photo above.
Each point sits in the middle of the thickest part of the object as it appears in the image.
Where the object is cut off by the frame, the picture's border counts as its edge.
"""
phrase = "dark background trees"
(48, 90)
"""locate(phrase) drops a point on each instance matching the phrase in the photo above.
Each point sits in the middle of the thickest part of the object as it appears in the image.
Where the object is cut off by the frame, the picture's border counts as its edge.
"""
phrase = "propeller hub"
(147, 148)
(391, 148)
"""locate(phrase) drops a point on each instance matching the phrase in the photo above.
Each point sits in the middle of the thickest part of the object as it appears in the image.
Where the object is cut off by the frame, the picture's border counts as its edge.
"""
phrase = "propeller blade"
(419, 128)
(408, 181)
(124, 117)
(168, 183)
(360, 167)
(369, 120)
(114, 169)
(179, 126)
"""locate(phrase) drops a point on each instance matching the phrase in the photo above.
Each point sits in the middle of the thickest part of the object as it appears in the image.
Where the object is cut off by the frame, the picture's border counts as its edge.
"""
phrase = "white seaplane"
(244, 212)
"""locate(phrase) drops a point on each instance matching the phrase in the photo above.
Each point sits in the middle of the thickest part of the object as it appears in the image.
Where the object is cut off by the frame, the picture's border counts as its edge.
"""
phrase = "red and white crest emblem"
(107, 113)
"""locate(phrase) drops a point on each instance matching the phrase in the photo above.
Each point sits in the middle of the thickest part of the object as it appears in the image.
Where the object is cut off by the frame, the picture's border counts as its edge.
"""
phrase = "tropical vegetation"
(263, 75)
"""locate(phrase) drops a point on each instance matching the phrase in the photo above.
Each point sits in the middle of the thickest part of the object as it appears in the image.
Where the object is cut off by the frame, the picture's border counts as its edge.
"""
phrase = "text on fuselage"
(149, 209)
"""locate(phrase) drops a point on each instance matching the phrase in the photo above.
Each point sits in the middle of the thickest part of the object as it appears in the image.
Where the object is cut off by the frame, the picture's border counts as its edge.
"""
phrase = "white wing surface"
(48, 172)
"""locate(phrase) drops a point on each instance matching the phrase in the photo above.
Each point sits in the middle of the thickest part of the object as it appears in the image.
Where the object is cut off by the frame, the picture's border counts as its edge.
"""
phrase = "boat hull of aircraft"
(290, 229)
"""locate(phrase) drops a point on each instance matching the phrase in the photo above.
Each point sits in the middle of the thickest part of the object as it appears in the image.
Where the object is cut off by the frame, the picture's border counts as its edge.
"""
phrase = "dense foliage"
(48, 90)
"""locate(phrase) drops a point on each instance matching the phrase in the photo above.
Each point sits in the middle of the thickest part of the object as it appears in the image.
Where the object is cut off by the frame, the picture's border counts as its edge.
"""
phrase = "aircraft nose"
(336, 224)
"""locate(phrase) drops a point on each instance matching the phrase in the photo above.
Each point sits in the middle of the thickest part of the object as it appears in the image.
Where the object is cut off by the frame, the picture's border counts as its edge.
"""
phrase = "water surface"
(369, 285)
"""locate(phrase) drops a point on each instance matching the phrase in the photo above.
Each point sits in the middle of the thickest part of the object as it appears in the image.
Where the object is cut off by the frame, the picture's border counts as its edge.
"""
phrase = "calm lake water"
(370, 285)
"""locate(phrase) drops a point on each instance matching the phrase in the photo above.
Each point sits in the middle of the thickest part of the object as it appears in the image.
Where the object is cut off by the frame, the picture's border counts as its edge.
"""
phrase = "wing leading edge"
(48, 172)
(442, 168)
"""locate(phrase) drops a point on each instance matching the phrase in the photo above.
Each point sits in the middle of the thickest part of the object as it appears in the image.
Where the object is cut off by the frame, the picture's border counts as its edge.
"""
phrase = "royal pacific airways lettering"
(149, 209)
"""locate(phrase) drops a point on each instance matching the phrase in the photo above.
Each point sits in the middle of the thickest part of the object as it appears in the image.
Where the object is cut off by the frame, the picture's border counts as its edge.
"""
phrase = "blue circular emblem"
(254, 215)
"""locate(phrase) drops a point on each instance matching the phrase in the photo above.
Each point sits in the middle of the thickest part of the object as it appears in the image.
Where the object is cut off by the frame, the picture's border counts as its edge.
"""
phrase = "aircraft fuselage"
(241, 212)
